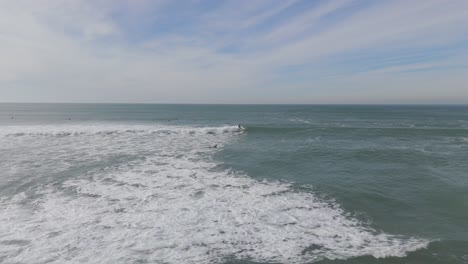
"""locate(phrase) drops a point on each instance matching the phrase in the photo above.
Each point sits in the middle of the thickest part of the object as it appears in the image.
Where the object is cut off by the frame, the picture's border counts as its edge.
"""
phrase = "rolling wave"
(90, 129)
(436, 131)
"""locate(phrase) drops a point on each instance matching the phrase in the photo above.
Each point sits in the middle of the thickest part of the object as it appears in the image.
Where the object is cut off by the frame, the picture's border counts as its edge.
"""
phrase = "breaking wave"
(161, 197)
(90, 129)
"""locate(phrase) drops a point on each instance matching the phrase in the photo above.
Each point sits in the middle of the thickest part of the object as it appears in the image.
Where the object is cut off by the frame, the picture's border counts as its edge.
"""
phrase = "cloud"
(230, 51)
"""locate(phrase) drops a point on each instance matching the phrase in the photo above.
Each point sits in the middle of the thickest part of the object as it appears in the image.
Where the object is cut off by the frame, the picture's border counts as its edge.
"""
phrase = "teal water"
(118, 183)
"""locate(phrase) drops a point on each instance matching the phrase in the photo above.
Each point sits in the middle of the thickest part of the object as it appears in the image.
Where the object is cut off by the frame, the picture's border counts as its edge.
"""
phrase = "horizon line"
(285, 104)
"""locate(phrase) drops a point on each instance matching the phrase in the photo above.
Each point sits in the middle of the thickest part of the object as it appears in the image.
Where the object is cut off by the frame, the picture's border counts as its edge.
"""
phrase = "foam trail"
(161, 198)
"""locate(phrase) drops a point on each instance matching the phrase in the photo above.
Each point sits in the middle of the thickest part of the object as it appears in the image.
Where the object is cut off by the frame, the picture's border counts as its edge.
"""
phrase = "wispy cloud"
(233, 51)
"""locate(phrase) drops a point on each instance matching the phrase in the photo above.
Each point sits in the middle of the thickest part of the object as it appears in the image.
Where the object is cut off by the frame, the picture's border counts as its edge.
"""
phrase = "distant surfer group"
(12, 117)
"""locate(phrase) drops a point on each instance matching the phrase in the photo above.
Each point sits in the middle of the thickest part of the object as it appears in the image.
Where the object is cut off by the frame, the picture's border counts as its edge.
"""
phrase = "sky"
(234, 51)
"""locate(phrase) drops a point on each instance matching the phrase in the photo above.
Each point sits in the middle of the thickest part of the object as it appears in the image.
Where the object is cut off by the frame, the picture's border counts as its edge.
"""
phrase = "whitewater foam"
(108, 129)
(157, 195)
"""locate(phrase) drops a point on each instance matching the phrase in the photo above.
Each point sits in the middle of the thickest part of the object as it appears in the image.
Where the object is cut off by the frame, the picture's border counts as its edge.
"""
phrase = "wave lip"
(88, 129)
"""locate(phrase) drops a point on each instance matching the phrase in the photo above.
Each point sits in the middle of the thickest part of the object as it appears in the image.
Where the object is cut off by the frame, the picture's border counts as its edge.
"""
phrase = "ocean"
(156, 183)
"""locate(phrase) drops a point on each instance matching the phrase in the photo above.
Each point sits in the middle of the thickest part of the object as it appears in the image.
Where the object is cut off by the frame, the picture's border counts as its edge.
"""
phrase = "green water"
(398, 170)
(404, 169)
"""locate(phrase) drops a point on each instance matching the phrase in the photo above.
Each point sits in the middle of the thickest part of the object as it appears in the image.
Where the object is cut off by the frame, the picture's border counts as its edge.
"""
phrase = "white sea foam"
(162, 198)
(300, 120)
(109, 129)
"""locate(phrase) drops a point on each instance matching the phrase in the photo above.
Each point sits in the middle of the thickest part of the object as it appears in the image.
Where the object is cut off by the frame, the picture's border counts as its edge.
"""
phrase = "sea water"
(121, 183)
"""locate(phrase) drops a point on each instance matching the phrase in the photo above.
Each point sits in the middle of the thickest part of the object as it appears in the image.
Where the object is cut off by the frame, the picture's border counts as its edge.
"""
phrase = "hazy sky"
(239, 51)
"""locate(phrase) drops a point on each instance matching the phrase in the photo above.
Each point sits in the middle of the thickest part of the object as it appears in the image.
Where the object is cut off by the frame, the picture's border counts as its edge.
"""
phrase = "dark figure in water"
(239, 126)
(215, 146)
